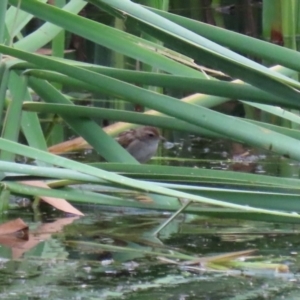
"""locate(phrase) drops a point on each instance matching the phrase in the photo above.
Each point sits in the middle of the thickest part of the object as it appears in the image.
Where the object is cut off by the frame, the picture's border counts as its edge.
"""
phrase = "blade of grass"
(48, 31)
(254, 76)
(198, 174)
(237, 41)
(210, 52)
(15, 148)
(210, 87)
(4, 77)
(143, 119)
(234, 128)
(3, 8)
(136, 47)
(16, 19)
(11, 128)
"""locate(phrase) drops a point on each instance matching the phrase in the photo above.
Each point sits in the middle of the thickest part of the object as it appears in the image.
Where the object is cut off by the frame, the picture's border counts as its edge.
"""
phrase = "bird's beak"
(162, 138)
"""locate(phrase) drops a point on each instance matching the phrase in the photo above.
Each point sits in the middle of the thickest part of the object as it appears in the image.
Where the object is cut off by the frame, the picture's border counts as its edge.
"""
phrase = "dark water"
(80, 261)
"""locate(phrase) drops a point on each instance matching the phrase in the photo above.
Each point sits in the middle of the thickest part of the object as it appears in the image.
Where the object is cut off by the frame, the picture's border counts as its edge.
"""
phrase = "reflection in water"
(217, 154)
(106, 255)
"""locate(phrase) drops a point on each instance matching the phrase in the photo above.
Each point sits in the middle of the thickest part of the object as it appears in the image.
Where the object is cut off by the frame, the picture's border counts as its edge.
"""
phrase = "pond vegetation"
(214, 214)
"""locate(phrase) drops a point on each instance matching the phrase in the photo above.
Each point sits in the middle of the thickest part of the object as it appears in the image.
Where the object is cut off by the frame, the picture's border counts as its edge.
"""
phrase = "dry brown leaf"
(144, 198)
(13, 227)
(42, 233)
(11, 241)
(67, 146)
(45, 51)
(58, 203)
(6, 58)
(13, 233)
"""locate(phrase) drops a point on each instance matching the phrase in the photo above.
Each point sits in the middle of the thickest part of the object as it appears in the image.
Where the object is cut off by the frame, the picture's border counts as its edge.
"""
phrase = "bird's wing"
(125, 137)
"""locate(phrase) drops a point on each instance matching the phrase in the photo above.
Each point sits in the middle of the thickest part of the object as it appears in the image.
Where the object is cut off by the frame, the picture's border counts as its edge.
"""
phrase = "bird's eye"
(150, 134)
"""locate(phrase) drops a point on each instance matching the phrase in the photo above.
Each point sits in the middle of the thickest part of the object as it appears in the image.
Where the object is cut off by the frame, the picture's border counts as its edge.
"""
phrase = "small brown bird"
(141, 142)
